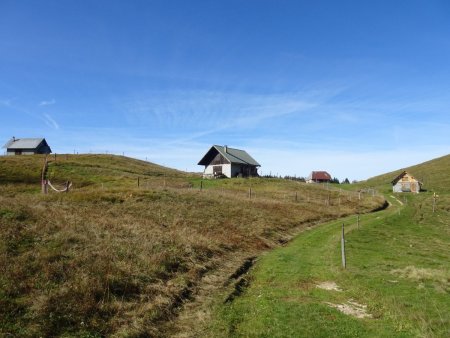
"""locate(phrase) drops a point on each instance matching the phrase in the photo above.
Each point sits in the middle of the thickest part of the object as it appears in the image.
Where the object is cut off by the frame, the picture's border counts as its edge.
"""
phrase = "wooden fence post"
(138, 182)
(344, 260)
(296, 197)
(357, 221)
(201, 185)
(44, 177)
(434, 201)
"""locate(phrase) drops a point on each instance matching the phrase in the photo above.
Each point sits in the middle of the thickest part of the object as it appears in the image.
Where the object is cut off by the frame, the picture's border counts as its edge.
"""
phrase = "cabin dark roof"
(320, 175)
(233, 155)
(25, 143)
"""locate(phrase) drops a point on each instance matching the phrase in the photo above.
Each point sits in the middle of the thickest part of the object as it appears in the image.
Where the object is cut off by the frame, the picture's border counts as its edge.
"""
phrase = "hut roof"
(320, 175)
(231, 154)
(399, 177)
(24, 143)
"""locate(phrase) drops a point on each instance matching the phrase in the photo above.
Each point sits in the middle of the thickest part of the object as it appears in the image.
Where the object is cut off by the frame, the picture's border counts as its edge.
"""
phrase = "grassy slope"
(434, 174)
(398, 265)
(110, 258)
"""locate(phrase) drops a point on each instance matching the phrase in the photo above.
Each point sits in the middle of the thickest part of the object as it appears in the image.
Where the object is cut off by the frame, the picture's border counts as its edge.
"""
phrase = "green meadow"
(396, 283)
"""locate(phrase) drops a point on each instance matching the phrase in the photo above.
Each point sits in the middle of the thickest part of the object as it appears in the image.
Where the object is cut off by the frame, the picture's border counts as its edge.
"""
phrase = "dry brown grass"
(109, 258)
(423, 274)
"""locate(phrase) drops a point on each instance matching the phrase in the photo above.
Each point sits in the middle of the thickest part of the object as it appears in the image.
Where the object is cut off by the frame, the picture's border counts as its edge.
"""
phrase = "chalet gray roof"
(23, 143)
(233, 155)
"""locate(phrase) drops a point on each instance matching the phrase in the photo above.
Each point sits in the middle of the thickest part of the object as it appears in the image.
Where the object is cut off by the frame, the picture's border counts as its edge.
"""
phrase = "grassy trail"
(397, 274)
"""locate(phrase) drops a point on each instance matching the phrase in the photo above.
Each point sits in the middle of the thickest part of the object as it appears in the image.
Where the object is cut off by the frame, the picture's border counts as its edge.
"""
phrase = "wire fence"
(299, 193)
(283, 190)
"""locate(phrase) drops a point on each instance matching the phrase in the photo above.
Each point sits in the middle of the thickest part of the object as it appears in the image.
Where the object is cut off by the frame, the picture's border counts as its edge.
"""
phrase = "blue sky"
(356, 88)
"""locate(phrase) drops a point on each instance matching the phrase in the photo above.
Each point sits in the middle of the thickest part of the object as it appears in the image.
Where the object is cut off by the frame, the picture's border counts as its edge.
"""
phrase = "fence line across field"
(334, 197)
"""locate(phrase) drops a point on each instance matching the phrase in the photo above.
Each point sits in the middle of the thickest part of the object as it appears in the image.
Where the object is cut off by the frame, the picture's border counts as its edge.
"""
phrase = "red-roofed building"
(319, 177)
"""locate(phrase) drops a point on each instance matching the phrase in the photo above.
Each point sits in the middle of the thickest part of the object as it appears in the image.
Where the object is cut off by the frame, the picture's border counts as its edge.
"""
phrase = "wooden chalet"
(223, 161)
(405, 182)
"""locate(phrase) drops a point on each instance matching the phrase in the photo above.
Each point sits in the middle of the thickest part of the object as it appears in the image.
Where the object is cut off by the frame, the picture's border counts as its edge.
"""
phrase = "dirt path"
(395, 198)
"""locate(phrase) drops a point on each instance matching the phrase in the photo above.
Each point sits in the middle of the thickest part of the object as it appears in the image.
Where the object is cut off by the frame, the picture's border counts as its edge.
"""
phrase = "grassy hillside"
(86, 170)
(397, 278)
(434, 174)
(110, 258)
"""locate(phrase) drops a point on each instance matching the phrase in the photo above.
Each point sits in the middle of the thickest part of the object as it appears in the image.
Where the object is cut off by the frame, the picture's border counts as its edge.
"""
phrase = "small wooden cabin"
(405, 182)
(27, 146)
(318, 177)
(229, 162)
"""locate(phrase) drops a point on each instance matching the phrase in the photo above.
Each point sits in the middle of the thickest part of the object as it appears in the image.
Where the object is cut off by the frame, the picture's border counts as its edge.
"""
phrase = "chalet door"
(18, 152)
(217, 170)
(413, 187)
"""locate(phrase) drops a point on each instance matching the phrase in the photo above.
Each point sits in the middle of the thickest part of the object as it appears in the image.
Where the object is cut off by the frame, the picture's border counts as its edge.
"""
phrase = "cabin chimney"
(14, 139)
(225, 147)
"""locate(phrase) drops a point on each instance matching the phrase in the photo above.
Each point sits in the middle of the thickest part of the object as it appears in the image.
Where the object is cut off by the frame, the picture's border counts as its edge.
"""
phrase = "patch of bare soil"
(352, 308)
(328, 285)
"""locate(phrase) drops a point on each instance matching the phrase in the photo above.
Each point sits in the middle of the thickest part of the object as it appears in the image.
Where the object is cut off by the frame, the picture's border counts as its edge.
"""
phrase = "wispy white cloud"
(198, 113)
(47, 103)
(46, 118)
(194, 114)
(49, 121)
